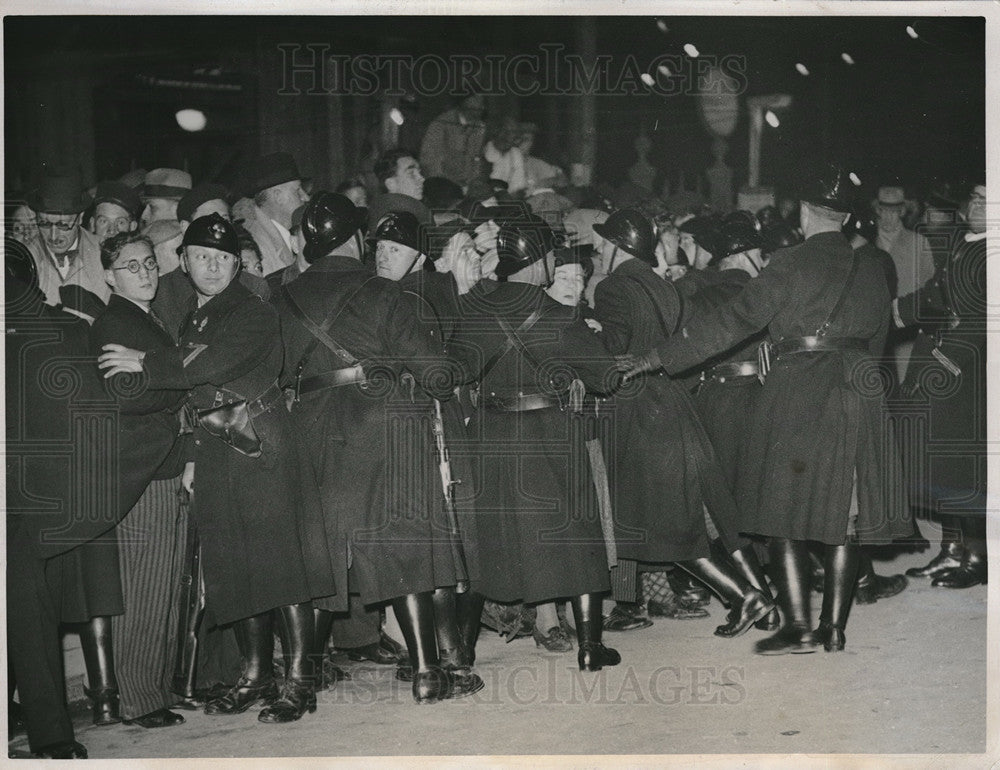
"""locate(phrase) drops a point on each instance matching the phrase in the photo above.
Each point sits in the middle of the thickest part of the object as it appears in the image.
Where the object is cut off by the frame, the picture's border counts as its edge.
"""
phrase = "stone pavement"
(912, 680)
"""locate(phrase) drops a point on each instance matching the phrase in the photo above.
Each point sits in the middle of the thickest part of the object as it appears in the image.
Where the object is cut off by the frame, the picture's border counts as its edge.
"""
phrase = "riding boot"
(298, 692)
(747, 564)
(591, 655)
(256, 685)
(469, 612)
(871, 586)
(95, 639)
(451, 654)
(840, 567)
(415, 613)
(791, 570)
(949, 557)
(747, 605)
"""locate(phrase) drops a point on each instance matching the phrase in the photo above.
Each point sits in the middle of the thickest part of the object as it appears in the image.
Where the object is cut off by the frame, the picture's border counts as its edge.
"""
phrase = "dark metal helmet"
(19, 265)
(740, 231)
(520, 244)
(213, 232)
(779, 235)
(705, 231)
(631, 231)
(400, 227)
(329, 220)
(831, 188)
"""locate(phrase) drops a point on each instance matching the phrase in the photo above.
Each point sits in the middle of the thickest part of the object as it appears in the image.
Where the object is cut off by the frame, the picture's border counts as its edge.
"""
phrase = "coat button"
(197, 442)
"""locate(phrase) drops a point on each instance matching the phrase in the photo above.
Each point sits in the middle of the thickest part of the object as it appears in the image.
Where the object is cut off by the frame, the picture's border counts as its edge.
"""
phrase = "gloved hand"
(632, 365)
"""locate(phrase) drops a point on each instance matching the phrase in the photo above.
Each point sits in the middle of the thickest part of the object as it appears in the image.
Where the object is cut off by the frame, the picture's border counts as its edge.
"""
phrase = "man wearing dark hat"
(820, 464)
(202, 200)
(664, 470)
(275, 184)
(261, 548)
(66, 254)
(116, 207)
(162, 189)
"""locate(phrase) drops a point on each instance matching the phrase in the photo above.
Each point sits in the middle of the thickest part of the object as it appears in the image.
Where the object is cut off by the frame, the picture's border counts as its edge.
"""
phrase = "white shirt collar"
(127, 299)
(972, 237)
(286, 236)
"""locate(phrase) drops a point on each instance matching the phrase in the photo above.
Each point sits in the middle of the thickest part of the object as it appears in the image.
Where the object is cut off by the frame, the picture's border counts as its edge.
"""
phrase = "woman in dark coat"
(255, 541)
(664, 469)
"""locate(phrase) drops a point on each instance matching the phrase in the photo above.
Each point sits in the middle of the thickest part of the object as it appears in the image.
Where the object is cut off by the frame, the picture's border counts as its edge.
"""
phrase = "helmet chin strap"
(611, 264)
(549, 279)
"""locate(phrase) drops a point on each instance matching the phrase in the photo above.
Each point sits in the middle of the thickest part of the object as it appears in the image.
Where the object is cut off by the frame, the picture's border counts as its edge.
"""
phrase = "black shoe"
(106, 707)
(431, 686)
(464, 682)
(869, 591)
(770, 622)
(625, 617)
(593, 656)
(202, 696)
(385, 652)
(972, 572)
(159, 718)
(790, 639)
(687, 590)
(62, 750)
(556, 640)
(949, 557)
(739, 620)
(295, 700)
(242, 696)
(830, 636)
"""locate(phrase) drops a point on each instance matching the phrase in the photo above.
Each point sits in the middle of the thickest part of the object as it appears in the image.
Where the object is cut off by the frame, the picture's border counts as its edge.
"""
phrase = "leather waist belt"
(334, 378)
(528, 403)
(793, 345)
(265, 401)
(724, 372)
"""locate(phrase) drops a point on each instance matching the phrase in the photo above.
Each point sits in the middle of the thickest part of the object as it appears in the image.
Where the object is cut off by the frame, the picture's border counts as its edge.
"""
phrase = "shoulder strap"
(822, 330)
(659, 313)
(320, 331)
(514, 340)
(434, 312)
(511, 341)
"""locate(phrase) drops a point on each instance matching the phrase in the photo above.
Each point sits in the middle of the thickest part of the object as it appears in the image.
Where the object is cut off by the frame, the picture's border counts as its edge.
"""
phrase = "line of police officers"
(792, 446)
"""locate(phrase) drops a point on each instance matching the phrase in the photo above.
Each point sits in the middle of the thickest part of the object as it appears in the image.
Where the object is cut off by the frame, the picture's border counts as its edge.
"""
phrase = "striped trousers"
(151, 541)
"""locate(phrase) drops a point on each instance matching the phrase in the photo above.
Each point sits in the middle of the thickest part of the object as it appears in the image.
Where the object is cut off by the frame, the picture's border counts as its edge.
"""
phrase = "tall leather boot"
(469, 613)
(840, 567)
(871, 586)
(949, 557)
(451, 654)
(415, 613)
(95, 639)
(591, 654)
(256, 685)
(791, 570)
(747, 604)
(748, 565)
(298, 691)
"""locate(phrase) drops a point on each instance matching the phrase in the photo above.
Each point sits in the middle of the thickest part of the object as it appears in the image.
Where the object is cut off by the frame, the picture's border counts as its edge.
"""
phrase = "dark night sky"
(907, 107)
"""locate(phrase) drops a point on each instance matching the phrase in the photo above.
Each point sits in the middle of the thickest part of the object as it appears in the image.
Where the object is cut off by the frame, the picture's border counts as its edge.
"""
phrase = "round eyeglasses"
(133, 265)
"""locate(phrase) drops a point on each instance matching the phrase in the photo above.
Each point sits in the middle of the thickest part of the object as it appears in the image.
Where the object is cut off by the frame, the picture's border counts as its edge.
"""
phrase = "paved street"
(912, 680)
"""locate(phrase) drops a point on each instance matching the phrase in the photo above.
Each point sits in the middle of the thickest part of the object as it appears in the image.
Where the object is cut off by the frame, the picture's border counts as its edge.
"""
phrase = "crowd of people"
(371, 420)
